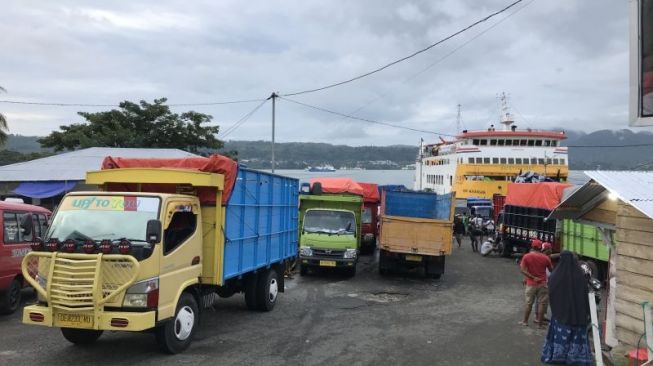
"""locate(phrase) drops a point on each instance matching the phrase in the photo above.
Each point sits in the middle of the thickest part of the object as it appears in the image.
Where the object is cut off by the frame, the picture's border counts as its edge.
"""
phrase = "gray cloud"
(563, 62)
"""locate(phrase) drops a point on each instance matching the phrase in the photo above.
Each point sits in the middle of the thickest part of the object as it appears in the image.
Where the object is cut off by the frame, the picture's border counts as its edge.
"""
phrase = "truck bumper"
(105, 320)
(434, 265)
(327, 262)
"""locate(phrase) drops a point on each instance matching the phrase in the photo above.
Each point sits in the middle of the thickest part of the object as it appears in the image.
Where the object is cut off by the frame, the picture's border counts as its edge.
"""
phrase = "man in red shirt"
(534, 265)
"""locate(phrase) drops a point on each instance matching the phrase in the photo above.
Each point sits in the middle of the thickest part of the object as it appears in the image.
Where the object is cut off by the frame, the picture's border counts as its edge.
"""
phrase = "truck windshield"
(330, 222)
(103, 217)
(367, 215)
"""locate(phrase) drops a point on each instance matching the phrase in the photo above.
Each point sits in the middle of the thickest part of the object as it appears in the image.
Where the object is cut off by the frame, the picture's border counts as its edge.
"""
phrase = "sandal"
(522, 323)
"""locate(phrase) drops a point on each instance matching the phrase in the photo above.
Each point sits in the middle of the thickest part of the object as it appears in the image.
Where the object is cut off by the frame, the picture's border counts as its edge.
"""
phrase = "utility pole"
(274, 97)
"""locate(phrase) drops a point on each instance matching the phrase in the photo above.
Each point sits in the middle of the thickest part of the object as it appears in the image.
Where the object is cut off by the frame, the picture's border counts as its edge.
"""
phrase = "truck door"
(181, 252)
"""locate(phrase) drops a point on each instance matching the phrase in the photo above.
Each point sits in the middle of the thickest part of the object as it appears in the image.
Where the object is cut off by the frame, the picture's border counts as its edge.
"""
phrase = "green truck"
(329, 231)
(586, 241)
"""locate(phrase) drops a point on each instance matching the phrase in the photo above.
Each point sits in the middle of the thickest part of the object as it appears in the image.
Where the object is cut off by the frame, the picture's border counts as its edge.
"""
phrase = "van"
(20, 224)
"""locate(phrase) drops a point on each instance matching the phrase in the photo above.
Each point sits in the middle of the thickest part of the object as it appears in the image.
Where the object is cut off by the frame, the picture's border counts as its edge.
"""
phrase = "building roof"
(634, 188)
(72, 166)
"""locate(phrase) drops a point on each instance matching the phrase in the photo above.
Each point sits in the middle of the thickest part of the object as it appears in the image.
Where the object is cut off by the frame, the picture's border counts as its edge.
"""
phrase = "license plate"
(414, 258)
(328, 263)
(74, 320)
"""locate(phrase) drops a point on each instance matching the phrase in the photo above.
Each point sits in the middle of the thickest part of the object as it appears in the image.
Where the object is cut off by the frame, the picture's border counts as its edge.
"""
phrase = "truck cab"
(330, 232)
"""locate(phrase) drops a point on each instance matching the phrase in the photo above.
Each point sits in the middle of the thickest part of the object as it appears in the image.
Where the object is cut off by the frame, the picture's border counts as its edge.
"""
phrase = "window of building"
(517, 160)
(483, 142)
(508, 142)
(479, 160)
(486, 160)
(470, 160)
(548, 161)
(182, 226)
(511, 160)
(556, 161)
(493, 142)
(495, 160)
(533, 161)
(540, 161)
(503, 160)
(531, 143)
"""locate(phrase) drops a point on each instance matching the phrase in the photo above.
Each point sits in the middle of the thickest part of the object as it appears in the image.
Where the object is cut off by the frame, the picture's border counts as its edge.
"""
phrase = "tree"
(137, 125)
(4, 127)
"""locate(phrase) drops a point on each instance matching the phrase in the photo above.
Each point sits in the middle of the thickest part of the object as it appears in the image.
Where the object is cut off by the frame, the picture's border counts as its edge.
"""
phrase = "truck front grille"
(331, 253)
(72, 283)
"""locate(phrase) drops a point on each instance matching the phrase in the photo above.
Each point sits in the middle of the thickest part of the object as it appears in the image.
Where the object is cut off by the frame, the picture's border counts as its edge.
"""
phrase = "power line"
(242, 120)
(53, 104)
(364, 119)
(405, 57)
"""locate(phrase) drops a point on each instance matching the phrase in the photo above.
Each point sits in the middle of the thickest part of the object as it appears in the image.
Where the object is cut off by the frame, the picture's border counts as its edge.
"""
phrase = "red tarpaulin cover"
(338, 185)
(370, 192)
(213, 164)
(538, 195)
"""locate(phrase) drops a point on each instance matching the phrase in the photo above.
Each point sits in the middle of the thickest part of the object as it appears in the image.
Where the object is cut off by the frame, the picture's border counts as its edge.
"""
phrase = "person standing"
(534, 265)
(458, 230)
(566, 340)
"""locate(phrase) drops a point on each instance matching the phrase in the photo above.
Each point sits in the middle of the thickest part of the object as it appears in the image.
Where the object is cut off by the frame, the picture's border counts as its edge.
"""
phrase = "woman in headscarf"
(566, 340)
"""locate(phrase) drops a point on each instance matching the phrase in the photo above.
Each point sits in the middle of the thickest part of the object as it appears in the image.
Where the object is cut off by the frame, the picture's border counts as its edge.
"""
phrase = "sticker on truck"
(111, 203)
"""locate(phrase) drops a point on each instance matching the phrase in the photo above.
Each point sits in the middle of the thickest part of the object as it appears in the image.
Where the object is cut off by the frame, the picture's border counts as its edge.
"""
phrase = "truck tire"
(10, 300)
(81, 336)
(267, 291)
(250, 291)
(350, 271)
(176, 335)
(303, 270)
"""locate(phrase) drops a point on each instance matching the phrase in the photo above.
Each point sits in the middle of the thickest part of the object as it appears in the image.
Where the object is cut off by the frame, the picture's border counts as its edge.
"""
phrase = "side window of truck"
(182, 226)
(11, 227)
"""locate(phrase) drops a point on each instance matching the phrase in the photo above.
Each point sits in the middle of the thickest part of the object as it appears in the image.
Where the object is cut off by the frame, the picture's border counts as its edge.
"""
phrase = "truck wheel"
(250, 291)
(267, 291)
(175, 335)
(81, 336)
(303, 270)
(350, 271)
(10, 300)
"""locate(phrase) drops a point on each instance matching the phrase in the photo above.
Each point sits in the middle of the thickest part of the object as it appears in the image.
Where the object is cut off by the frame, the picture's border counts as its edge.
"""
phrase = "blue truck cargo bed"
(261, 222)
(424, 205)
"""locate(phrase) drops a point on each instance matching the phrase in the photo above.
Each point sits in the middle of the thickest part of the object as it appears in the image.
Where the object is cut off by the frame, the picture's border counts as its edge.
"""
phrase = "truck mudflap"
(73, 290)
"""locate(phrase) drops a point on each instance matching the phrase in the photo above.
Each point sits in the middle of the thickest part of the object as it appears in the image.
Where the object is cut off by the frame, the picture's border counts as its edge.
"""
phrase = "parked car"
(20, 225)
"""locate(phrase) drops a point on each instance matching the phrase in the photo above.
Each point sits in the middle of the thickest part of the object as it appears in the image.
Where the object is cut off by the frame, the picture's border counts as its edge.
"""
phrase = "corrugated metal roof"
(635, 188)
(74, 165)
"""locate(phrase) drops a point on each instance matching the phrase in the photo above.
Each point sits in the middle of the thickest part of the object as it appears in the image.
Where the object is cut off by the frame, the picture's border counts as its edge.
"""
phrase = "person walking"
(534, 265)
(566, 340)
(458, 230)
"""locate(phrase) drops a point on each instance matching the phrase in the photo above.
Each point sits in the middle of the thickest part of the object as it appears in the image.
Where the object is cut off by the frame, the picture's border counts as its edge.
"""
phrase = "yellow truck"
(155, 244)
(416, 231)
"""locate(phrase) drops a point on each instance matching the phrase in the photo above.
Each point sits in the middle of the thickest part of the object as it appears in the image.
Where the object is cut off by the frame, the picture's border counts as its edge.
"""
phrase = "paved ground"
(469, 317)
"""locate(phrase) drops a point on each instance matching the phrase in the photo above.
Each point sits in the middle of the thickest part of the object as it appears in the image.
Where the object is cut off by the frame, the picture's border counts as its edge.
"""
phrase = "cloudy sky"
(564, 63)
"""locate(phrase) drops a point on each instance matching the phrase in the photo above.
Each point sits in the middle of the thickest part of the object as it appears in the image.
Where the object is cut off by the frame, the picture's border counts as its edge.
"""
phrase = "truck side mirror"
(153, 231)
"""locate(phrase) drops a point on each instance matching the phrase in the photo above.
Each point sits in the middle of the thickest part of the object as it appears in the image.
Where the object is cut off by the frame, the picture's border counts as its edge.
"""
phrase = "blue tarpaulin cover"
(44, 189)
(417, 204)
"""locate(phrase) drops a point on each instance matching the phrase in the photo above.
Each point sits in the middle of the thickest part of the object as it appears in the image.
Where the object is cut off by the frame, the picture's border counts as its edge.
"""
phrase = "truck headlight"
(143, 294)
(350, 253)
(305, 251)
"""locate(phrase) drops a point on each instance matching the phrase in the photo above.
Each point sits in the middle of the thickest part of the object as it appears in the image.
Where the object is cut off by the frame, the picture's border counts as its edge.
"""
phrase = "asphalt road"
(468, 317)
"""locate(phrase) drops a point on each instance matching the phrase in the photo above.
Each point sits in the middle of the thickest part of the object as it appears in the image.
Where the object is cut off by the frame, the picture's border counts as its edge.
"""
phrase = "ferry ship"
(326, 168)
(482, 163)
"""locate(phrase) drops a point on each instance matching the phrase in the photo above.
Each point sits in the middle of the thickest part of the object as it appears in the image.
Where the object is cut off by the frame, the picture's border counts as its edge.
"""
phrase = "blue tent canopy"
(44, 189)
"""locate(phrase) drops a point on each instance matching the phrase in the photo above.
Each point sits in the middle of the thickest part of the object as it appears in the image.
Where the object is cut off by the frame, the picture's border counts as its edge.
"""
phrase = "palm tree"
(3, 124)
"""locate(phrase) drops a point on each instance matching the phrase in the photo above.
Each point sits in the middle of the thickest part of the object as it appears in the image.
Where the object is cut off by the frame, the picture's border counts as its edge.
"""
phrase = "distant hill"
(298, 155)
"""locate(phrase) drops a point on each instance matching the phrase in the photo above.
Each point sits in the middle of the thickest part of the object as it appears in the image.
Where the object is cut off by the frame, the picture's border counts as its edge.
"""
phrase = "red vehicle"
(498, 201)
(19, 225)
(370, 228)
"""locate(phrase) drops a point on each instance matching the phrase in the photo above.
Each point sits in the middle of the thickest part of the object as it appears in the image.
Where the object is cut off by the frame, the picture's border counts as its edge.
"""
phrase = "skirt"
(566, 345)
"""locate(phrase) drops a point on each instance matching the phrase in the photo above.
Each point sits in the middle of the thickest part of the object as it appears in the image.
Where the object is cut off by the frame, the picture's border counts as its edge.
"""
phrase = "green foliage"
(142, 125)
(4, 127)
(11, 157)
